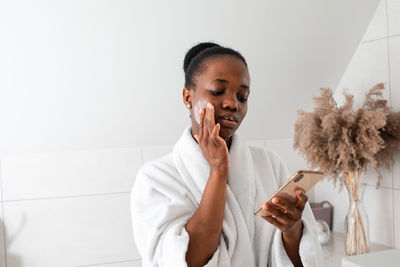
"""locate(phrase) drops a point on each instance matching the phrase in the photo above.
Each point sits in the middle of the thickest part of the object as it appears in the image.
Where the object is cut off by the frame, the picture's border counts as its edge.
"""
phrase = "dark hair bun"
(194, 51)
(193, 63)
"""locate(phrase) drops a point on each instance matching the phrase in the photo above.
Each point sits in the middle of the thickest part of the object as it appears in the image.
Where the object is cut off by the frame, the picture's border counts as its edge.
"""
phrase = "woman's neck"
(229, 142)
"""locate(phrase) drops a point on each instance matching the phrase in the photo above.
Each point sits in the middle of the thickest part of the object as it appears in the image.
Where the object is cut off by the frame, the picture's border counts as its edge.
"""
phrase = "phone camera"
(299, 178)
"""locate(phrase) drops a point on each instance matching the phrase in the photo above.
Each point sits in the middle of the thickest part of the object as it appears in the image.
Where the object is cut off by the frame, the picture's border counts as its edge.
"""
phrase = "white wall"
(377, 59)
(103, 74)
(69, 208)
(85, 87)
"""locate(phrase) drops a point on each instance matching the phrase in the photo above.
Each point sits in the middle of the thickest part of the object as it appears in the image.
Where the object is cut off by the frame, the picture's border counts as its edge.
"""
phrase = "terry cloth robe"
(167, 192)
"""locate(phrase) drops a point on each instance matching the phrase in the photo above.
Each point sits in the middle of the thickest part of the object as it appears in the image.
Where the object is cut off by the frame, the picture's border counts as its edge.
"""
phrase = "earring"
(188, 106)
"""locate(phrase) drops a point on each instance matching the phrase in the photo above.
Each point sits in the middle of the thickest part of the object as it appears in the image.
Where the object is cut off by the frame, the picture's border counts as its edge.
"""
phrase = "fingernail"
(275, 200)
(209, 106)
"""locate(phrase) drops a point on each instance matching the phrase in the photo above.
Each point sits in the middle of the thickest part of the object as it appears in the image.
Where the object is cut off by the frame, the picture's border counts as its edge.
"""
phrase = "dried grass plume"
(341, 140)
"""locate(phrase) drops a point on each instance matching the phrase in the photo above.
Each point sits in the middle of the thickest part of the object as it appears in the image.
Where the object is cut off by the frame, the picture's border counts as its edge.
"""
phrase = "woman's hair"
(193, 63)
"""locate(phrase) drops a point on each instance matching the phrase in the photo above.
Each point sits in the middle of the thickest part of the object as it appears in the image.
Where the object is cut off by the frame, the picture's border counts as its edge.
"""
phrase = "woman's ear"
(187, 97)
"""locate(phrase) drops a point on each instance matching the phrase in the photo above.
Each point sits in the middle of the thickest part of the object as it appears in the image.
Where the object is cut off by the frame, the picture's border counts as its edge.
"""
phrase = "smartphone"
(302, 178)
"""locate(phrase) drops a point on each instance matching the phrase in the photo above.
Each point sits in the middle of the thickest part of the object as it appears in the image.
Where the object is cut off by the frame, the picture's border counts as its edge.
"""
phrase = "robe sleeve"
(310, 249)
(160, 208)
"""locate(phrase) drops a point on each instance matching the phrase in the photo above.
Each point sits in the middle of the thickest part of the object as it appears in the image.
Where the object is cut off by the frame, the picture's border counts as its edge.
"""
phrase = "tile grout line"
(374, 186)
(388, 58)
(77, 150)
(381, 38)
(393, 221)
(2, 210)
(394, 35)
(384, 187)
(68, 196)
(373, 40)
(390, 104)
(111, 262)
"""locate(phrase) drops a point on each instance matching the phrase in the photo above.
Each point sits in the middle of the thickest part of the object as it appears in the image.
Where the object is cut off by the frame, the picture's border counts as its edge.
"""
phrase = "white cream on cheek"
(201, 104)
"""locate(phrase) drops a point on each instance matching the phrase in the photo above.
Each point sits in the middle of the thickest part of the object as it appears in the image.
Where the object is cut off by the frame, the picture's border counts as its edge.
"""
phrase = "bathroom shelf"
(334, 250)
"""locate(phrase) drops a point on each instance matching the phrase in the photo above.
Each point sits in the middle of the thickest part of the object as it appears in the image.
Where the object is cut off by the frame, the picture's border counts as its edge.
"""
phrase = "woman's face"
(225, 83)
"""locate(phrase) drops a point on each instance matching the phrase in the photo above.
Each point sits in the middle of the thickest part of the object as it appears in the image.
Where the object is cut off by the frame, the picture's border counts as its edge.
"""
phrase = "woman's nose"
(230, 103)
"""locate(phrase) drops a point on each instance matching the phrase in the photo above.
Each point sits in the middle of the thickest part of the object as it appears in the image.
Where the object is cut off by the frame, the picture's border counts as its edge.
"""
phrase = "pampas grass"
(342, 142)
(339, 140)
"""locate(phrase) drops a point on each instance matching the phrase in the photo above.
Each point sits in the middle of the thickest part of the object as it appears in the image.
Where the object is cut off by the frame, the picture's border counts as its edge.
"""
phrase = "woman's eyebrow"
(225, 81)
(220, 81)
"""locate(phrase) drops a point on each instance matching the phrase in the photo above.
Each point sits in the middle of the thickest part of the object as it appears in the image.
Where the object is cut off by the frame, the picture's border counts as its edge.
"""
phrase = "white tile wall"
(394, 53)
(377, 26)
(396, 170)
(2, 239)
(150, 153)
(394, 50)
(69, 231)
(325, 190)
(371, 177)
(121, 264)
(2, 229)
(1, 178)
(372, 62)
(368, 66)
(29, 176)
(393, 7)
(378, 205)
(396, 196)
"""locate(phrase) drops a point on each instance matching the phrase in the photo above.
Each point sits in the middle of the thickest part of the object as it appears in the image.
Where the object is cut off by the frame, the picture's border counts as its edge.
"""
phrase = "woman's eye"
(216, 92)
(242, 99)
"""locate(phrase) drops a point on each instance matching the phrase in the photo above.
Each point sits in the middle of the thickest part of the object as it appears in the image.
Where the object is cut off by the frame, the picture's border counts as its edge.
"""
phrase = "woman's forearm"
(291, 242)
(205, 226)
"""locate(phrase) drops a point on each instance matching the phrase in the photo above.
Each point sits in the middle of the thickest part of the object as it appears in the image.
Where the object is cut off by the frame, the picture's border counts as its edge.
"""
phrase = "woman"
(195, 206)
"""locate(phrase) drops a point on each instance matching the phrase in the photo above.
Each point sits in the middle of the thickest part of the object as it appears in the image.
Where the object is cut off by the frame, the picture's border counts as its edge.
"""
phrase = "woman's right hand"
(213, 147)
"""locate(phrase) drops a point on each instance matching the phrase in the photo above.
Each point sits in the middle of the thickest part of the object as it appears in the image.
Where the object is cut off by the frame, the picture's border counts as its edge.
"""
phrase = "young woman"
(195, 206)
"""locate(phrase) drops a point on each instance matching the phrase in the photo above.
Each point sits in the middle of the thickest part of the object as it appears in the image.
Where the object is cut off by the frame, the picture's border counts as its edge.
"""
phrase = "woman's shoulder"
(158, 174)
(264, 152)
(270, 160)
(158, 168)
(164, 163)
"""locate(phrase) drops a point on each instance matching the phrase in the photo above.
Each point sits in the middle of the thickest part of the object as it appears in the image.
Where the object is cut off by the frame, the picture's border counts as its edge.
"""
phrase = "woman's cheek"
(201, 104)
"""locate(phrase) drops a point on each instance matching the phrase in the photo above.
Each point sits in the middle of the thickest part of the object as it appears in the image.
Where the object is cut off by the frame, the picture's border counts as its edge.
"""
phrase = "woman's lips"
(227, 123)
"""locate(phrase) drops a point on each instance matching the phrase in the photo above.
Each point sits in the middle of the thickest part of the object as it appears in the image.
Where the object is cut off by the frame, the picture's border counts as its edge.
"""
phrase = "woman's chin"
(226, 133)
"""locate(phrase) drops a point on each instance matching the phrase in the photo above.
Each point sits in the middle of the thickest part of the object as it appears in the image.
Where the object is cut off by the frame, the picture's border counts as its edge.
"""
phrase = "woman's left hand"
(285, 214)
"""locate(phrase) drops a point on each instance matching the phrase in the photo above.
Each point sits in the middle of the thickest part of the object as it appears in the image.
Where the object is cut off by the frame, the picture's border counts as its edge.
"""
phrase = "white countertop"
(386, 258)
(334, 250)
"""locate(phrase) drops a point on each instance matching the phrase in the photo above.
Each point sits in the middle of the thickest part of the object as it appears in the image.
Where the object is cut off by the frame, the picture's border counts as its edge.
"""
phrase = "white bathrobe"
(167, 192)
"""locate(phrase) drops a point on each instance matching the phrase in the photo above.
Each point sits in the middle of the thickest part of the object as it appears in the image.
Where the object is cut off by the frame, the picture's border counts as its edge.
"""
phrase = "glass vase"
(356, 223)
